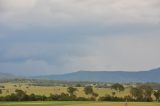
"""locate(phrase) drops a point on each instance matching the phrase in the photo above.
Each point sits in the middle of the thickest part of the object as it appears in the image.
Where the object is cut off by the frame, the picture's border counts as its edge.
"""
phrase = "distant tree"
(21, 95)
(1, 86)
(147, 92)
(88, 90)
(78, 85)
(32, 97)
(0, 91)
(113, 94)
(157, 95)
(136, 93)
(72, 91)
(95, 95)
(142, 93)
(118, 87)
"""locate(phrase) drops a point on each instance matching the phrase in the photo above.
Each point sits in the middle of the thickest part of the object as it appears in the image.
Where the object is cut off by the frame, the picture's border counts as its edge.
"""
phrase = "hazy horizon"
(62, 36)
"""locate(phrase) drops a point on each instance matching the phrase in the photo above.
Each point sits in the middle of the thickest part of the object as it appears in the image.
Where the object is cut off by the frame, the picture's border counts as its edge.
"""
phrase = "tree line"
(139, 93)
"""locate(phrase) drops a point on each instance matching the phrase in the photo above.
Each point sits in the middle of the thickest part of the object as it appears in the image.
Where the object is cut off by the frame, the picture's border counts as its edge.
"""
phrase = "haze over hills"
(7, 76)
(99, 76)
(108, 76)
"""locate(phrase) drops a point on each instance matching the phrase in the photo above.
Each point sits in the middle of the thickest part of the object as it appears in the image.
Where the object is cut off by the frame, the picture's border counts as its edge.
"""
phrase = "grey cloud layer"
(59, 36)
(30, 12)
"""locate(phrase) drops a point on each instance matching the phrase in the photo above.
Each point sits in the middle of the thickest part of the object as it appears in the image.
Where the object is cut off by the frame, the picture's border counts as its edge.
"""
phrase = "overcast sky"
(59, 36)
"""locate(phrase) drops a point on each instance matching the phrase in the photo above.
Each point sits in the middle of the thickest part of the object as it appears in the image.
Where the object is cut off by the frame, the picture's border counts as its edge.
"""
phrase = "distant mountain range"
(101, 76)
(108, 76)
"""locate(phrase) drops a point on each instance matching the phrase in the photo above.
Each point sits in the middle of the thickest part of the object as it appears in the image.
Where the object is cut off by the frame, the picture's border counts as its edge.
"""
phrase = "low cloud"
(59, 36)
(26, 13)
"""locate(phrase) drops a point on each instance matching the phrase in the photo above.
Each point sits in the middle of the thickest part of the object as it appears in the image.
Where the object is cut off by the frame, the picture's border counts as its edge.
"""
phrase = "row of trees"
(20, 95)
(140, 93)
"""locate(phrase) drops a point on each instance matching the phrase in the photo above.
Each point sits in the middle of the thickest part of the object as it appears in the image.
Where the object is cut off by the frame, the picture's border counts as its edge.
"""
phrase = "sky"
(40, 37)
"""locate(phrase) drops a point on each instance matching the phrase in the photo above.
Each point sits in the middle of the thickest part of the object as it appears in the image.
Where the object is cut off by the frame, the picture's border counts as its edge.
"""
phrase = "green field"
(77, 104)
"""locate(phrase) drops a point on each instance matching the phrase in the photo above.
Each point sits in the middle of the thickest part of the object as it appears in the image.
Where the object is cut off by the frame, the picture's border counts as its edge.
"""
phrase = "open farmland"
(47, 90)
(71, 103)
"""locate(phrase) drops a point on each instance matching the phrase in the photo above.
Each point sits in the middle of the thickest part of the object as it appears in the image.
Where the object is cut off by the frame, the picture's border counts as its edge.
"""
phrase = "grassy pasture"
(47, 90)
(72, 103)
